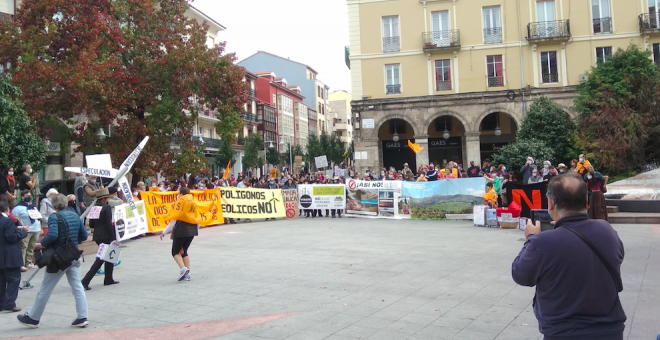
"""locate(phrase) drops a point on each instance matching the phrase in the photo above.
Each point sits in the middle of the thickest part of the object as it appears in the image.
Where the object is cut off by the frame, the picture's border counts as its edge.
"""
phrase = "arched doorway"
(446, 140)
(394, 135)
(496, 130)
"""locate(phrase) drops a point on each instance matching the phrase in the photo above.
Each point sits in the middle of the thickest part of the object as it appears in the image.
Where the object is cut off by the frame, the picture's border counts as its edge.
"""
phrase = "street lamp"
(395, 136)
(498, 131)
(445, 134)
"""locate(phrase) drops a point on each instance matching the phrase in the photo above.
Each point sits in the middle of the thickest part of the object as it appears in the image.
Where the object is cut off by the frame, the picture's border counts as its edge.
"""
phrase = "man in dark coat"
(104, 232)
(576, 294)
(11, 259)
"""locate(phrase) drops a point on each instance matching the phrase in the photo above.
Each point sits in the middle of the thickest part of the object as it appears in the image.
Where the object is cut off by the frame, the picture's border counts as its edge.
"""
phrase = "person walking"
(77, 233)
(576, 268)
(104, 233)
(11, 260)
(21, 211)
(183, 232)
(8, 181)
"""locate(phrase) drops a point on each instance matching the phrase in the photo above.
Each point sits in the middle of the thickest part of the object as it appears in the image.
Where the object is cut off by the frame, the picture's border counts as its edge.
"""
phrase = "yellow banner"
(164, 206)
(252, 203)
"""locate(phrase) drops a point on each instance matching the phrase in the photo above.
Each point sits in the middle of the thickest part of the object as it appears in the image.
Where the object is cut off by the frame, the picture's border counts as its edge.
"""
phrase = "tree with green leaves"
(272, 156)
(514, 155)
(314, 149)
(251, 158)
(224, 155)
(619, 112)
(547, 122)
(20, 142)
(298, 151)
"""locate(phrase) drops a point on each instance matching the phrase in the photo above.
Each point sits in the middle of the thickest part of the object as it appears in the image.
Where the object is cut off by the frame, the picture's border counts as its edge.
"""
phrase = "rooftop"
(275, 55)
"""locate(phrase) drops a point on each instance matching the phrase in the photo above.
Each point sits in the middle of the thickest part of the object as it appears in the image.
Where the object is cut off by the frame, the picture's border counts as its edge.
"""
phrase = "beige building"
(456, 76)
(340, 111)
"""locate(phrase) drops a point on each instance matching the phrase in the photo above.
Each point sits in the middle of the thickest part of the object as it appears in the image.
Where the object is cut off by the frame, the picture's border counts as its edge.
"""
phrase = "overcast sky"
(313, 32)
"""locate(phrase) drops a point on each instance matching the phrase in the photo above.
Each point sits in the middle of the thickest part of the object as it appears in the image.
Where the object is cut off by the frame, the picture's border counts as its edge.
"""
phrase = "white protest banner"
(321, 162)
(94, 213)
(339, 172)
(127, 225)
(318, 196)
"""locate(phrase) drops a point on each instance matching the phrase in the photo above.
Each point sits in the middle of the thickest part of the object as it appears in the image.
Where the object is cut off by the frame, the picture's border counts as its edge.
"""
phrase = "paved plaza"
(333, 279)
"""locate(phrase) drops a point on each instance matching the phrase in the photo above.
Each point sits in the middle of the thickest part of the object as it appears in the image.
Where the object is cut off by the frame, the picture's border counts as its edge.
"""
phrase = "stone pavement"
(332, 279)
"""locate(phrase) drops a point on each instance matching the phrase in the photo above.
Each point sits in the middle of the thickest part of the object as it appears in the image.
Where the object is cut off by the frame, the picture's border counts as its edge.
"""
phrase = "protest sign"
(290, 202)
(208, 206)
(434, 200)
(109, 252)
(158, 206)
(318, 196)
(161, 207)
(375, 199)
(34, 214)
(527, 196)
(94, 213)
(127, 225)
(321, 162)
(252, 203)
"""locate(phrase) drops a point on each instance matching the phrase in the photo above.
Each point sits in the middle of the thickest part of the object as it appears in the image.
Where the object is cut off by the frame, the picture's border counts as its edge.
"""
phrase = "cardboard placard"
(321, 162)
(109, 252)
(34, 214)
(94, 213)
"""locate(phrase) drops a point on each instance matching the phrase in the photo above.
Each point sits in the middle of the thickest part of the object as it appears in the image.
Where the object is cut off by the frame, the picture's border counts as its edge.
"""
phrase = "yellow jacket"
(581, 168)
(491, 197)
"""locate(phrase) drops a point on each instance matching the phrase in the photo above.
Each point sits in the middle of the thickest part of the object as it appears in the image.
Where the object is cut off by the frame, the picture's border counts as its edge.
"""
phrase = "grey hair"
(24, 168)
(59, 202)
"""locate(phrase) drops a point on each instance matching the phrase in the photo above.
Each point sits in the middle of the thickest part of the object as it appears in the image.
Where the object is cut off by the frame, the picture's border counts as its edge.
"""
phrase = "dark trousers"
(10, 280)
(95, 267)
(338, 211)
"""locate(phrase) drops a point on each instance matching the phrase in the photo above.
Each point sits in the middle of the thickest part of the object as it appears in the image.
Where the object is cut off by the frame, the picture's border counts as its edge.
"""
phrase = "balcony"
(341, 126)
(249, 117)
(252, 93)
(493, 35)
(393, 89)
(558, 30)
(443, 85)
(602, 25)
(549, 78)
(212, 143)
(497, 81)
(441, 40)
(391, 44)
(206, 114)
(649, 23)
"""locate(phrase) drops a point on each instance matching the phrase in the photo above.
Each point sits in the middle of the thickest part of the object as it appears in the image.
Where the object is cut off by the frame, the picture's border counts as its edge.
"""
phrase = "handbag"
(67, 252)
(618, 283)
(43, 256)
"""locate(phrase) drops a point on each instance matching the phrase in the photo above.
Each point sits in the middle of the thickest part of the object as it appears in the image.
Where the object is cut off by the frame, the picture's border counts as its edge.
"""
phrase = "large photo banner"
(127, 225)
(434, 200)
(160, 207)
(373, 199)
(252, 203)
(528, 196)
(322, 196)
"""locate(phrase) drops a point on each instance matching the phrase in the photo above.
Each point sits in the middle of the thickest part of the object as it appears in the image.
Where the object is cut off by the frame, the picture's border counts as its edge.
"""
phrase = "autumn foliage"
(139, 65)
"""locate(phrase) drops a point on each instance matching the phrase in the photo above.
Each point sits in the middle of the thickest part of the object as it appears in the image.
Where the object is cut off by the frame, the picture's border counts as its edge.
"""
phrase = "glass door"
(654, 15)
(601, 16)
(545, 14)
(440, 23)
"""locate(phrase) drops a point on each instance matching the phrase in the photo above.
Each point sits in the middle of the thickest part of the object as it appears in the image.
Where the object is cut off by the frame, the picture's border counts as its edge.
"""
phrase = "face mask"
(588, 176)
(504, 168)
(10, 173)
(562, 171)
(72, 203)
(534, 175)
(27, 199)
(546, 166)
(581, 159)
(30, 171)
(162, 187)
(451, 166)
(135, 193)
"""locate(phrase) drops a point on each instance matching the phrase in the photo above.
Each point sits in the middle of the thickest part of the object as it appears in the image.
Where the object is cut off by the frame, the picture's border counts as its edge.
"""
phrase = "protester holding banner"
(183, 228)
(104, 233)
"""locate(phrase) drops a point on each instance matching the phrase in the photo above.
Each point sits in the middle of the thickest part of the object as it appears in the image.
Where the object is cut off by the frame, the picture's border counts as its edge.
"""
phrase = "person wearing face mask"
(582, 165)
(34, 227)
(91, 188)
(535, 177)
(552, 172)
(501, 171)
(72, 206)
(546, 168)
(432, 174)
(561, 168)
(527, 170)
(595, 182)
(27, 181)
(8, 181)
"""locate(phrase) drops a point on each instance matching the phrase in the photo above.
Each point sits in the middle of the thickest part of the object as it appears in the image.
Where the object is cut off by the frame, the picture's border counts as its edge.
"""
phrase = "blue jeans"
(658, 338)
(50, 281)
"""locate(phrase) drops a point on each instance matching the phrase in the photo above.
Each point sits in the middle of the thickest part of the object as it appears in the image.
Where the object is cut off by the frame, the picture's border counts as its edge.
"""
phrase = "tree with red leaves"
(140, 66)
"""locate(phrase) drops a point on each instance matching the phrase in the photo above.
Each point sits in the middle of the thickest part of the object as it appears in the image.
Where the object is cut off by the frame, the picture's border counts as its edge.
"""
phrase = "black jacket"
(183, 229)
(104, 230)
(10, 244)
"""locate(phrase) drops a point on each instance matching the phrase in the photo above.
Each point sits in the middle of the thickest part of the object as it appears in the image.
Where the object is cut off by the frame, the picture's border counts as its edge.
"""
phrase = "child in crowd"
(490, 197)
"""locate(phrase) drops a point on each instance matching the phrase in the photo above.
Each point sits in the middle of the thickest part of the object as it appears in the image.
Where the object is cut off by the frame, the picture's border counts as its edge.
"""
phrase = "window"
(391, 37)
(442, 75)
(495, 70)
(492, 25)
(393, 80)
(602, 22)
(210, 42)
(285, 104)
(545, 15)
(602, 53)
(654, 13)
(274, 100)
(211, 133)
(440, 35)
(549, 71)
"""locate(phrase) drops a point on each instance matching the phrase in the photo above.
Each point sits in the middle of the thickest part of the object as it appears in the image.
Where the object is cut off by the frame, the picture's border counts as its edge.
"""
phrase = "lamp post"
(270, 146)
(290, 154)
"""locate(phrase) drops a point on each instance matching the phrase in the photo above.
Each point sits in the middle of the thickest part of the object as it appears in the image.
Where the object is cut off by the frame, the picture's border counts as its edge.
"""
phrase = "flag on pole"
(227, 169)
(415, 147)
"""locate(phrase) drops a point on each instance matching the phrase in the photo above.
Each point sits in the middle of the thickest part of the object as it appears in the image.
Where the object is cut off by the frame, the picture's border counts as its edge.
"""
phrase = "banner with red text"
(160, 205)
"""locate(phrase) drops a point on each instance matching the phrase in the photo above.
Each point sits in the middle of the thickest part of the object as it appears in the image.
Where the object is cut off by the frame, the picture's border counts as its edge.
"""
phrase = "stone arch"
(516, 117)
(570, 113)
(442, 113)
(382, 120)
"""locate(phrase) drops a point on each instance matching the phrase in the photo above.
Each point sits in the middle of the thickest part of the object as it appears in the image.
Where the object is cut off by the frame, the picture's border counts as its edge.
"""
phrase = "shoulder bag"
(618, 283)
(67, 252)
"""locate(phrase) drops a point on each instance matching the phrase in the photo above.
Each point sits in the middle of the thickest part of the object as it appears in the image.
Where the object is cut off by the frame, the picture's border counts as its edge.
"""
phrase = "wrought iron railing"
(393, 89)
(493, 35)
(443, 85)
(558, 29)
(250, 117)
(212, 143)
(550, 78)
(649, 21)
(441, 39)
(603, 25)
(391, 44)
(497, 81)
(252, 93)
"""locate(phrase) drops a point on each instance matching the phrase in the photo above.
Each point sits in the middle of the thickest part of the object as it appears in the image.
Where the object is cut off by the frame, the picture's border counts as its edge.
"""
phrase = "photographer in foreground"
(577, 286)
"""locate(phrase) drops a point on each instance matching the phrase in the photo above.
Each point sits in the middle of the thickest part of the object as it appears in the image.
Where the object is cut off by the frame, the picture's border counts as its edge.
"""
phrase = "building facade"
(313, 90)
(340, 110)
(457, 76)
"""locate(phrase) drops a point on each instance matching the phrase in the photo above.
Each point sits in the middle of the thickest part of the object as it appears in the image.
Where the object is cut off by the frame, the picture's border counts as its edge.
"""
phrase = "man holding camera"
(575, 268)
